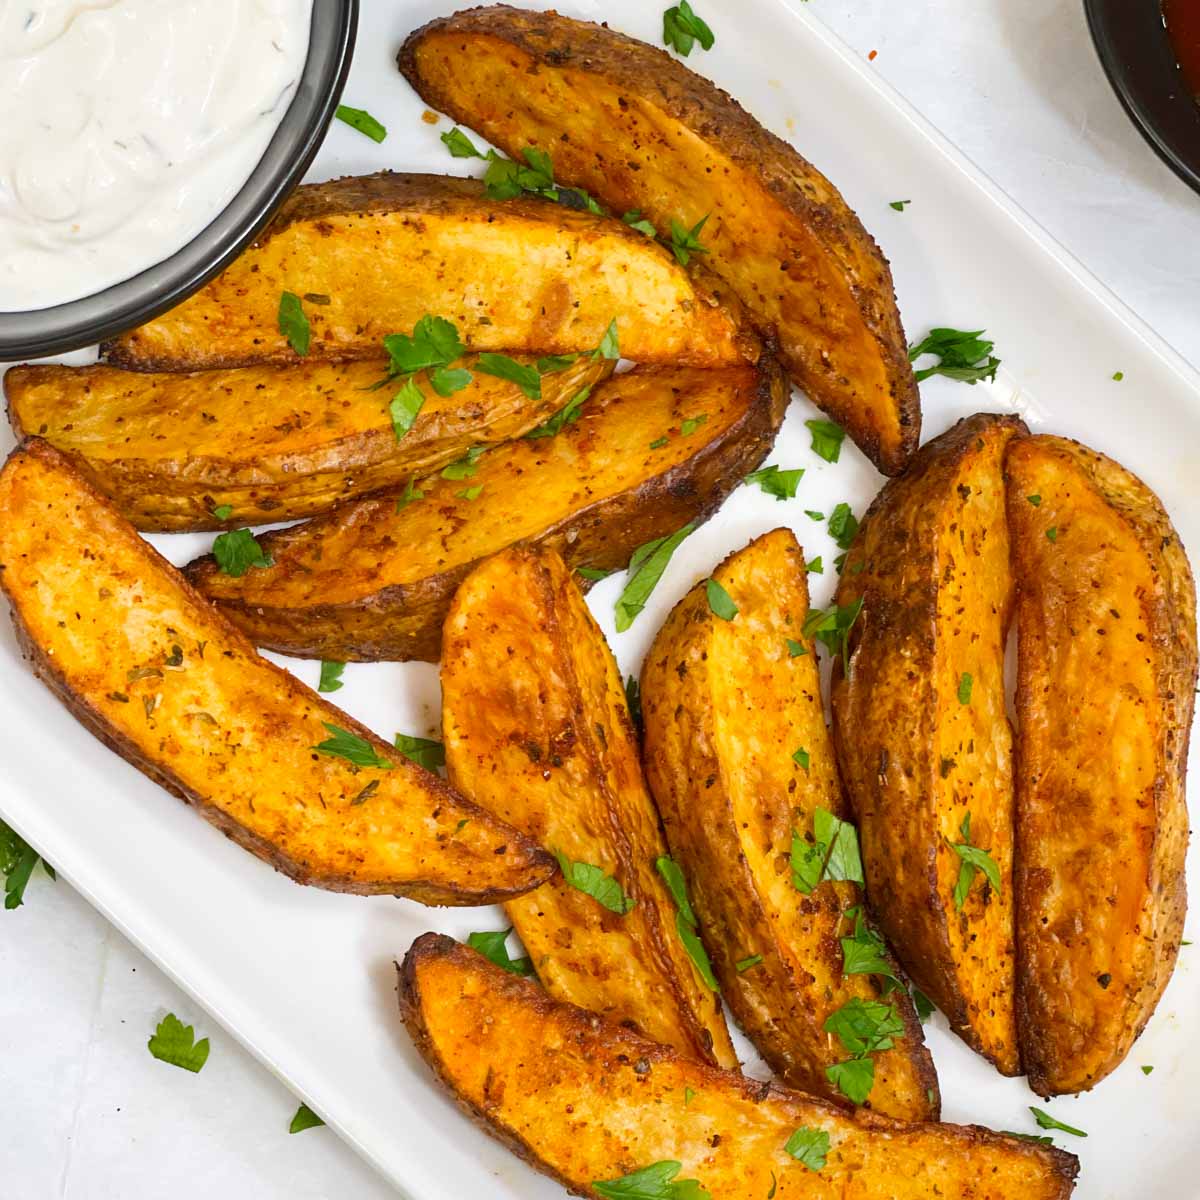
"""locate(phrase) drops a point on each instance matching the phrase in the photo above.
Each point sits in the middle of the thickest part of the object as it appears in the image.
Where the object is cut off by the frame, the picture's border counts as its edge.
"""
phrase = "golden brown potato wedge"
(641, 131)
(728, 706)
(922, 733)
(163, 679)
(584, 1100)
(382, 251)
(270, 443)
(370, 582)
(1106, 619)
(538, 732)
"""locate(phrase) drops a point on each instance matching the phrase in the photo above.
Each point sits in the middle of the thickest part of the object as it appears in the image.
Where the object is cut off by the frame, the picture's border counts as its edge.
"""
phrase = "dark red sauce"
(1183, 26)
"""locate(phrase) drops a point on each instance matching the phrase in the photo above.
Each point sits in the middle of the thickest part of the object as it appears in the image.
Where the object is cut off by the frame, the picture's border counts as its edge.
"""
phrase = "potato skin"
(639, 130)
(726, 705)
(583, 1099)
(931, 564)
(537, 731)
(1106, 618)
(521, 275)
(145, 664)
(367, 582)
(272, 443)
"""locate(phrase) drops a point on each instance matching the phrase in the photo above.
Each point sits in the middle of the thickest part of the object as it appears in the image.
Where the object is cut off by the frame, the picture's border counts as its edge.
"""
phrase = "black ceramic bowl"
(1137, 55)
(137, 300)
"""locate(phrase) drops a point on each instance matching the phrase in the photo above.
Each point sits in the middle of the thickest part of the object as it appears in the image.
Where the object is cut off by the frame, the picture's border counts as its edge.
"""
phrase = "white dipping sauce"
(126, 126)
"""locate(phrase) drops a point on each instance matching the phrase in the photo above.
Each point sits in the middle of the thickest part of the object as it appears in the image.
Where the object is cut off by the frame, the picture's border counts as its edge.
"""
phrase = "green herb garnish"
(655, 1182)
(502, 367)
(809, 1146)
(777, 482)
(831, 626)
(425, 752)
(594, 882)
(304, 1119)
(635, 220)
(827, 439)
(360, 119)
(293, 324)
(833, 854)
(331, 676)
(720, 602)
(405, 406)
(646, 568)
(237, 550)
(682, 29)
(565, 416)
(974, 860)
(843, 526)
(685, 919)
(964, 356)
(493, 947)
(965, 683)
(344, 744)
(175, 1043)
(686, 242)
(1046, 1121)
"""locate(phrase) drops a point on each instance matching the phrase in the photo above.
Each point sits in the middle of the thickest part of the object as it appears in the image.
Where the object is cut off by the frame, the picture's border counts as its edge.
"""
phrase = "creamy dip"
(126, 126)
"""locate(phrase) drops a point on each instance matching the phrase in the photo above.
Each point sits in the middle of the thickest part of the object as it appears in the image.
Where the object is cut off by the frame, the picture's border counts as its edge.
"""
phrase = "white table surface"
(87, 1113)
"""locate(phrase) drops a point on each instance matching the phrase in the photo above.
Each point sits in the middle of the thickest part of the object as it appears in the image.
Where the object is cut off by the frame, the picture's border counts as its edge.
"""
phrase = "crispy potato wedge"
(582, 1099)
(640, 131)
(538, 732)
(370, 582)
(163, 679)
(727, 705)
(921, 726)
(270, 443)
(1106, 620)
(385, 250)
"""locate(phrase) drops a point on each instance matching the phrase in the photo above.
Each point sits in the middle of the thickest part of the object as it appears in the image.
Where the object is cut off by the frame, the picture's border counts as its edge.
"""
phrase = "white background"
(86, 1113)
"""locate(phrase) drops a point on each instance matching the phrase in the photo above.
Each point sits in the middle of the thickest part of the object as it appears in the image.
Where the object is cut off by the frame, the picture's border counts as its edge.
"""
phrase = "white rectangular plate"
(305, 978)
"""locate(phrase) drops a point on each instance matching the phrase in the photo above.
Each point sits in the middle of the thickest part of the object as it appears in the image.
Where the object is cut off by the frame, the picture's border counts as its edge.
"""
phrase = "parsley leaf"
(223, 512)
(459, 145)
(347, 745)
(493, 947)
(863, 952)
(465, 467)
(827, 439)
(965, 683)
(447, 380)
(898, 205)
(1052, 533)
(682, 29)
(816, 566)
(777, 482)
(813, 515)
(610, 343)
(854, 1078)
(801, 756)
(744, 964)
(1034, 500)
(809, 1146)
(434, 342)
(593, 574)
(567, 415)
(864, 1027)
(832, 854)
(964, 356)
(655, 1182)
(635, 220)
(502, 367)
(685, 919)
(686, 242)
(237, 550)
(922, 1003)
(175, 1043)
(831, 626)
(411, 492)
(1046, 1121)
(17, 860)
(405, 406)
(553, 363)
(506, 179)
(720, 602)
(795, 649)
(646, 568)
(633, 699)
(843, 526)
(1028, 1137)
(360, 119)
(592, 881)
(425, 752)
(331, 676)
(293, 324)
(304, 1119)
(974, 860)
(690, 424)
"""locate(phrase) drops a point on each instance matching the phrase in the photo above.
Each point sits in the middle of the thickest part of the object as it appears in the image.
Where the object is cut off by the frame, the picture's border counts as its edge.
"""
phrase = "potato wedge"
(921, 727)
(1106, 620)
(640, 131)
(582, 1099)
(163, 679)
(382, 251)
(727, 705)
(269, 443)
(538, 732)
(370, 582)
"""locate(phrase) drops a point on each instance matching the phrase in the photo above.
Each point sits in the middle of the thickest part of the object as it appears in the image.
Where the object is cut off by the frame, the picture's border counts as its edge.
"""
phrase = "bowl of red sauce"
(1150, 50)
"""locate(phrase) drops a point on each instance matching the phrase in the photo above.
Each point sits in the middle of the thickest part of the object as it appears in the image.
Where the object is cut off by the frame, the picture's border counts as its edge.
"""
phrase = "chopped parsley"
(831, 626)
(833, 853)
(964, 356)
(809, 1146)
(360, 119)
(304, 1119)
(237, 550)
(655, 1182)
(1052, 533)
(685, 919)
(864, 1027)
(965, 683)
(646, 568)
(471, 493)
(864, 952)
(843, 525)
(465, 467)
(459, 145)
(1147, 1070)
(610, 343)
(567, 415)
(633, 699)
(405, 406)
(1118, 376)
(223, 512)
(720, 602)
(690, 424)
(801, 757)
(355, 750)
(635, 220)
(924, 1006)
(813, 515)
(425, 752)
(293, 323)
(331, 676)
(175, 1043)
(593, 574)
(899, 205)
(1046, 1121)
(411, 492)
(592, 881)
(1035, 500)
(502, 367)
(659, 443)
(974, 860)
(827, 439)
(686, 242)
(682, 29)
(744, 964)
(433, 343)
(777, 482)
(493, 947)
(795, 649)
(553, 363)
(17, 861)
(816, 566)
